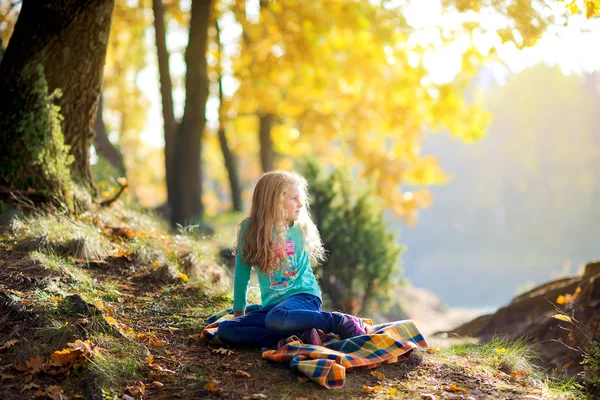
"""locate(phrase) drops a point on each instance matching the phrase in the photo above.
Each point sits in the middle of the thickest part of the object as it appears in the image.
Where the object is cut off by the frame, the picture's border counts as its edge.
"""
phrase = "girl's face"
(292, 203)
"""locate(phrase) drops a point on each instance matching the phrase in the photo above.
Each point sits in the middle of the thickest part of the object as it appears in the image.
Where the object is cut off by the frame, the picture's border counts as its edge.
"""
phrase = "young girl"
(279, 239)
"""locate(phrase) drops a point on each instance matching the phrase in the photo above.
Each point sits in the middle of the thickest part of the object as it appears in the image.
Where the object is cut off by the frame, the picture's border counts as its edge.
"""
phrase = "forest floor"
(109, 305)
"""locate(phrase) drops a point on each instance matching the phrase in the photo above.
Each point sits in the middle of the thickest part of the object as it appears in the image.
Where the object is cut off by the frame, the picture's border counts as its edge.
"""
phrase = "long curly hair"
(264, 239)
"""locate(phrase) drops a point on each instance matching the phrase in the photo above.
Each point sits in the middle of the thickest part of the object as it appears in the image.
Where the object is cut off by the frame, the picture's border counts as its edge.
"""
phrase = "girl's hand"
(238, 314)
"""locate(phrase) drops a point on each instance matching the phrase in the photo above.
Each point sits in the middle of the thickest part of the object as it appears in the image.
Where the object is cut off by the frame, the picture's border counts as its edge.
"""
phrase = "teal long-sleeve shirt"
(293, 277)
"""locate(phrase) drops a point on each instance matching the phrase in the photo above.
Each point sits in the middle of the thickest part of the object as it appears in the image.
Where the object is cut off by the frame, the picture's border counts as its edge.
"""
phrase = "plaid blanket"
(326, 365)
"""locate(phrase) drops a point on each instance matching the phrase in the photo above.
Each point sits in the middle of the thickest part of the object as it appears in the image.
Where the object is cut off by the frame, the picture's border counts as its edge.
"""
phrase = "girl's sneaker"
(351, 326)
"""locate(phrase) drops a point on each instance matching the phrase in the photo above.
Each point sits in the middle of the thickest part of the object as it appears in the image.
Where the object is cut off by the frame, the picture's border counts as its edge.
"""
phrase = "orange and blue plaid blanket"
(326, 365)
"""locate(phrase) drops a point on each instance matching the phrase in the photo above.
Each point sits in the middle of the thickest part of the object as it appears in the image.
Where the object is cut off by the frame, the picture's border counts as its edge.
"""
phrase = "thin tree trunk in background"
(266, 145)
(231, 162)
(166, 92)
(231, 165)
(188, 206)
(103, 145)
(68, 38)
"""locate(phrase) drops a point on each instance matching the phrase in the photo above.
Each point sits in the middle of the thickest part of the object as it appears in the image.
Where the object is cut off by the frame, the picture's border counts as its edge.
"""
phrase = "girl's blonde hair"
(264, 238)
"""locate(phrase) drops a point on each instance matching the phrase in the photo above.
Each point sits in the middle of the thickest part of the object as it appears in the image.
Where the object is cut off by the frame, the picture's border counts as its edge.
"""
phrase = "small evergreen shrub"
(362, 254)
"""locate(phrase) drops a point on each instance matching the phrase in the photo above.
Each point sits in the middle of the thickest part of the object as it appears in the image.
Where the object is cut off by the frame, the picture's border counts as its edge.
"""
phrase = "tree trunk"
(231, 163)
(103, 145)
(266, 145)
(68, 40)
(188, 206)
(166, 92)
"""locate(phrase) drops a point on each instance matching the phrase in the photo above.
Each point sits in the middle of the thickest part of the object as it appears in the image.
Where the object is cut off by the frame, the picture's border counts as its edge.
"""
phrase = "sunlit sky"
(572, 47)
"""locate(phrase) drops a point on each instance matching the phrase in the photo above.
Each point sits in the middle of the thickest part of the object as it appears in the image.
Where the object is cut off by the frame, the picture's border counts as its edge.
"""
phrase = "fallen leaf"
(454, 388)
(158, 384)
(183, 277)
(21, 366)
(371, 389)
(156, 342)
(29, 386)
(64, 357)
(138, 390)
(562, 317)
(432, 350)
(378, 375)
(6, 377)
(8, 344)
(34, 364)
(54, 392)
(429, 396)
(239, 372)
(40, 393)
(571, 337)
(222, 350)
(212, 387)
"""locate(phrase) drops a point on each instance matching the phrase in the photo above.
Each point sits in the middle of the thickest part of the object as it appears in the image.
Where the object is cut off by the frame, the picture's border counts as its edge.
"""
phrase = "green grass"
(517, 358)
(122, 363)
(505, 355)
(62, 267)
(59, 234)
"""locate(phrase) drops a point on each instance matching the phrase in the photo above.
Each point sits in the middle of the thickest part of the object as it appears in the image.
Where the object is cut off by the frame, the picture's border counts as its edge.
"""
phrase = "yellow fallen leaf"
(392, 390)
(378, 375)
(183, 277)
(432, 350)
(454, 388)
(371, 389)
(158, 384)
(562, 317)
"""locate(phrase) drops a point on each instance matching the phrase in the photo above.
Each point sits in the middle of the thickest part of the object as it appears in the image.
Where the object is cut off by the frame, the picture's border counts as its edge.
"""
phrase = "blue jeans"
(265, 327)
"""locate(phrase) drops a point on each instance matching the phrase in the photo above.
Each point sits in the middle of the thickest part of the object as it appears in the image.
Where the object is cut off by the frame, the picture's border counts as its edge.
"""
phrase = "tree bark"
(231, 162)
(266, 145)
(188, 206)
(166, 92)
(68, 39)
(103, 145)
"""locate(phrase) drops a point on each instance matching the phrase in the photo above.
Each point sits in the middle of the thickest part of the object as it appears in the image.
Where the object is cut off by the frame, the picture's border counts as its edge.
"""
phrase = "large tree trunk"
(166, 92)
(68, 38)
(266, 145)
(188, 206)
(103, 145)
(230, 159)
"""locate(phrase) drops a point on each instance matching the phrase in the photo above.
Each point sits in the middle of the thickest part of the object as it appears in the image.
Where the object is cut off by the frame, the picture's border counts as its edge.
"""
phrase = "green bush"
(362, 254)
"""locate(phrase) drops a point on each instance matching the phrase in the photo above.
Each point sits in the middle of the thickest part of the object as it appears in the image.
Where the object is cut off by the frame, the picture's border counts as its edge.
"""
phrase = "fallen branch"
(108, 202)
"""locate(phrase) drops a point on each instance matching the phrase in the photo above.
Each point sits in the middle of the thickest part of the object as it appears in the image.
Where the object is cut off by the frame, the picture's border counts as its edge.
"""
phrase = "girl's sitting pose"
(279, 239)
